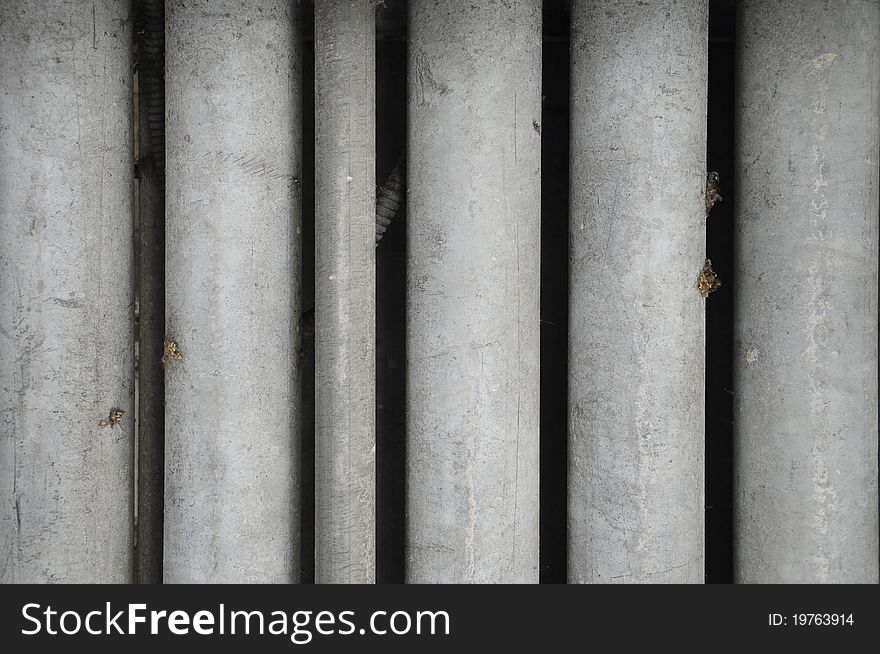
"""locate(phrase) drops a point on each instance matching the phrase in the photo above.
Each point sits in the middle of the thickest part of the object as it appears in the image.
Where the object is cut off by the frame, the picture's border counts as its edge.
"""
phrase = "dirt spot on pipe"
(70, 303)
(113, 419)
(753, 355)
(708, 281)
(712, 195)
(824, 60)
(171, 352)
(536, 126)
(427, 81)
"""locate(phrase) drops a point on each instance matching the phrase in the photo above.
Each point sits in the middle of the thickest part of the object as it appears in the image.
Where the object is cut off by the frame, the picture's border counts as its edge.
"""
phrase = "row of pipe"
(219, 359)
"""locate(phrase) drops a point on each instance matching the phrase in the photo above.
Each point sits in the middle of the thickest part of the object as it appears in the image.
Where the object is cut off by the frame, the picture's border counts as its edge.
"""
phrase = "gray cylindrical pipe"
(66, 297)
(473, 290)
(805, 410)
(232, 291)
(636, 325)
(345, 291)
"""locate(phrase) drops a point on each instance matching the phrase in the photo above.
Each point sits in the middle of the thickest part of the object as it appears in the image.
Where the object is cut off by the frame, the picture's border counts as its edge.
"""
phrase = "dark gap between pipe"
(391, 129)
(719, 306)
(554, 295)
(307, 358)
(149, 275)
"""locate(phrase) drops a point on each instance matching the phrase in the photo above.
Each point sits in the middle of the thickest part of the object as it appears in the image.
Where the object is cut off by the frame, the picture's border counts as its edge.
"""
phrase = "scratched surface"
(805, 350)
(636, 321)
(345, 292)
(232, 292)
(473, 291)
(66, 303)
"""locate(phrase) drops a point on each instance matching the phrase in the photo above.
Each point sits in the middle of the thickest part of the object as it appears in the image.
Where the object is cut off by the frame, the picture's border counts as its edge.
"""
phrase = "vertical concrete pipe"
(636, 317)
(66, 294)
(805, 356)
(345, 291)
(473, 286)
(233, 111)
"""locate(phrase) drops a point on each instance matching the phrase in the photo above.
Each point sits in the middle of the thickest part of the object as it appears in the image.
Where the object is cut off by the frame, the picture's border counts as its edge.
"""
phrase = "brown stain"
(171, 352)
(708, 281)
(113, 419)
(712, 195)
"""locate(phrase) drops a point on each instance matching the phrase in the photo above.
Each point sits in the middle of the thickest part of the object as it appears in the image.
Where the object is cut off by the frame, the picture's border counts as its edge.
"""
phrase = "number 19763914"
(810, 619)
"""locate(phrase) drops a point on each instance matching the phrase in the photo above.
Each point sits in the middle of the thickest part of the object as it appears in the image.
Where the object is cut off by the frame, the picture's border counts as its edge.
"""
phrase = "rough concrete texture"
(636, 326)
(806, 298)
(345, 291)
(473, 291)
(66, 302)
(232, 291)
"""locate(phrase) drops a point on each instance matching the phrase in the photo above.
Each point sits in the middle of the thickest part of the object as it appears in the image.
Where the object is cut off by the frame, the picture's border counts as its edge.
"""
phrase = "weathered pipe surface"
(806, 298)
(473, 290)
(232, 291)
(66, 295)
(345, 291)
(636, 319)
